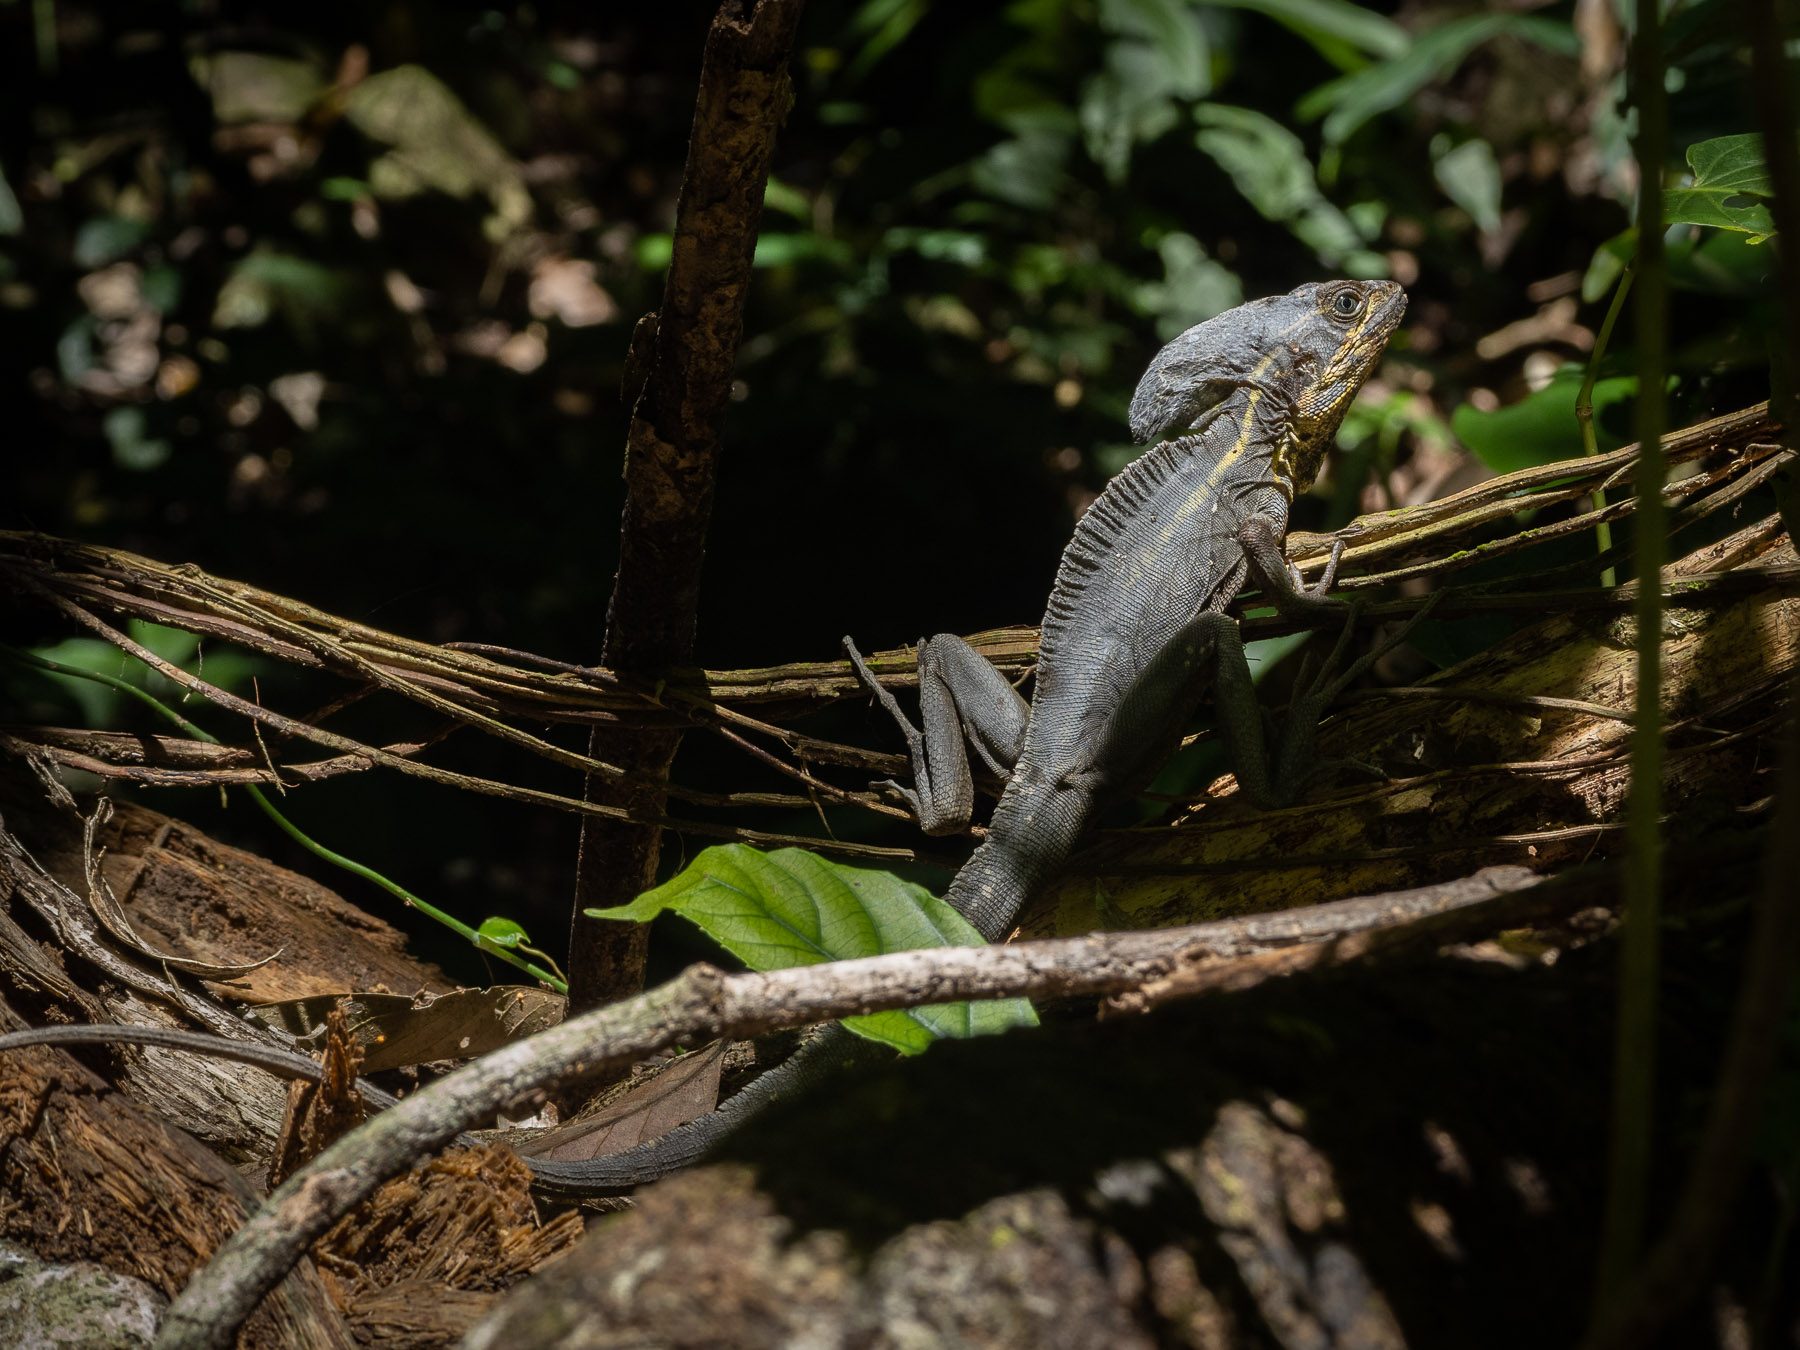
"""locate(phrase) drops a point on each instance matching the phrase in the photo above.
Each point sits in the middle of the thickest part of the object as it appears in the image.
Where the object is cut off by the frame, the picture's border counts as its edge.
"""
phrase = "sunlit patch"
(1533, 1188)
(1434, 1222)
(1447, 1153)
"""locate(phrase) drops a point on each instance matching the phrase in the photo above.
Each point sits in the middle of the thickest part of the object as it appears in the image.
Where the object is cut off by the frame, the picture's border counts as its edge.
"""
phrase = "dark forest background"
(334, 299)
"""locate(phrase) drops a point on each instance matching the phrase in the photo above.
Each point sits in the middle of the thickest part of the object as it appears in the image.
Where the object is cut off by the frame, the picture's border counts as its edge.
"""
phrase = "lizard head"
(1343, 329)
(1307, 352)
(1337, 344)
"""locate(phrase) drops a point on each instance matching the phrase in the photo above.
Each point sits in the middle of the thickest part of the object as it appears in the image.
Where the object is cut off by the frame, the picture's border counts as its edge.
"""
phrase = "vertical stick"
(1628, 1174)
(687, 351)
(1684, 1257)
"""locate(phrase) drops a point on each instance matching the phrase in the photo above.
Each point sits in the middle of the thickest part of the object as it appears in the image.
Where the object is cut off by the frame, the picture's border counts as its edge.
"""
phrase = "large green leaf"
(1729, 175)
(793, 908)
(1540, 428)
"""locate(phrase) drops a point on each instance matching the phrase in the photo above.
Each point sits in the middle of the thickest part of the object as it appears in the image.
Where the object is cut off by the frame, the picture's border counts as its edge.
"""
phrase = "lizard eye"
(1345, 304)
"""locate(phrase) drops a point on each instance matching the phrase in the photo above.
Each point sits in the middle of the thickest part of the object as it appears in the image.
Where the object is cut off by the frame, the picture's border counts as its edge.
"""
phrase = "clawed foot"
(915, 747)
(1319, 690)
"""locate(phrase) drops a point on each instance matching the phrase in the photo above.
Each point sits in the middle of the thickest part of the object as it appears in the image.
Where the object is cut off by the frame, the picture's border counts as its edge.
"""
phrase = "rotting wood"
(88, 1176)
(204, 899)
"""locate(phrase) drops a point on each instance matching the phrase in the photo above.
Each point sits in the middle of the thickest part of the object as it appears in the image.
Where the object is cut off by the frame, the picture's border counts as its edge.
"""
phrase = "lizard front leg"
(1261, 537)
(961, 696)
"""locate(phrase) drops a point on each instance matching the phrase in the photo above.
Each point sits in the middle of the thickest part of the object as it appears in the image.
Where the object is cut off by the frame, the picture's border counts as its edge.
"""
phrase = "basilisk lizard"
(1134, 635)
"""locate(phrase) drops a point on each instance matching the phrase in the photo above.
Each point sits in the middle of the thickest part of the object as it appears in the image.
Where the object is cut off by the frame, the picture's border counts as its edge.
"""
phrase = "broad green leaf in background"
(1172, 29)
(1541, 428)
(1194, 287)
(1353, 99)
(101, 239)
(780, 196)
(254, 87)
(265, 282)
(1268, 164)
(1470, 177)
(1157, 53)
(882, 25)
(777, 249)
(1027, 170)
(793, 908)
(132, 449)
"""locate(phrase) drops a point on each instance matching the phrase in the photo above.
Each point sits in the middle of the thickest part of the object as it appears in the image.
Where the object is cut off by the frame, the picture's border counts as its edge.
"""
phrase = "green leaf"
(1026, 170)
(1540, 428)
(104, 239)
(1732, 162)
(100, 704)
(1355, 98)
(1366, 31)
(1194, 287)
(132, 449)
(1608, 262)
(502, 933)
(778, 196)
(1729, 172)
(1127, 104)
(888, 23)
(1470, 177)
(1171, 31)
(779, 249)
(793, 908)
(1721, 209)
(1269, 166)
(253, 87)
(437, 143)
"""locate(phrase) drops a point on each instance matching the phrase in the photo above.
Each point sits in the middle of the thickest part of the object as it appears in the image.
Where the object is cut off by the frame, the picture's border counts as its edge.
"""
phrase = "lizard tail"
(1031, 834)
(831, 1051)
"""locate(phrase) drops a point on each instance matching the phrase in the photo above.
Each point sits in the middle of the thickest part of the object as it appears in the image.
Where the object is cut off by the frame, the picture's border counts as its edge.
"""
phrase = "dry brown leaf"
(687, 1089)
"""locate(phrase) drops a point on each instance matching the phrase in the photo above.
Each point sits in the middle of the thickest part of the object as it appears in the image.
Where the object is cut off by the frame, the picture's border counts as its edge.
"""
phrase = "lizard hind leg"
(961, 695)
(1294, 760)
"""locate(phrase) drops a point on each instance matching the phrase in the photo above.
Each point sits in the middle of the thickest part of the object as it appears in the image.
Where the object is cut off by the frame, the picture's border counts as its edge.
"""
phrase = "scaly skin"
(1159, 549)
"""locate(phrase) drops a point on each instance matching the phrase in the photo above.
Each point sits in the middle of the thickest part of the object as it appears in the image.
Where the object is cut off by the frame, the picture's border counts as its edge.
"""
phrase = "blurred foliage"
(336, 298)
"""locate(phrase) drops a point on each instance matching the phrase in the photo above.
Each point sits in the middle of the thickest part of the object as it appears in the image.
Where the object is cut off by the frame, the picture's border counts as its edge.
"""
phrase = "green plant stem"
(287, 826)
(1584, 409)
(1628, 1172)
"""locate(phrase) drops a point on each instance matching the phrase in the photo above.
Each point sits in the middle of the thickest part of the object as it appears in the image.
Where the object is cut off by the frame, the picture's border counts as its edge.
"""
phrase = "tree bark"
(687, 353)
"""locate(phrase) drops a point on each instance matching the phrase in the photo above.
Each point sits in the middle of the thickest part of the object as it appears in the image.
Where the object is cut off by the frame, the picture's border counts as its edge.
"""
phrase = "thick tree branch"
(670, 462)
